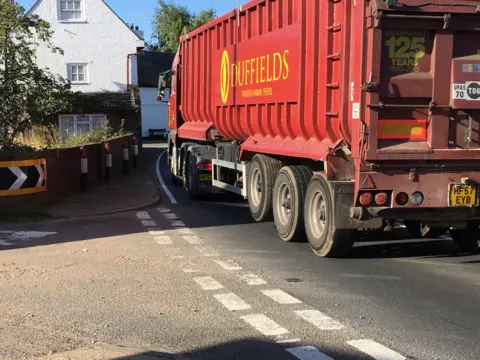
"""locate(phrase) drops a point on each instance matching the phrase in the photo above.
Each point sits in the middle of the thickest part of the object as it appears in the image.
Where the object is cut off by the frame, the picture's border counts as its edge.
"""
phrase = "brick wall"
(63, 171)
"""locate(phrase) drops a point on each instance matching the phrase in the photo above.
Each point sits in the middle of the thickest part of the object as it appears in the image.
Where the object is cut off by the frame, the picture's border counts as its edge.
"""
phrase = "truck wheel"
(418, 229)
(324, 238)
(261, 177)
(467, 239)
(288, 201)
(190, 176)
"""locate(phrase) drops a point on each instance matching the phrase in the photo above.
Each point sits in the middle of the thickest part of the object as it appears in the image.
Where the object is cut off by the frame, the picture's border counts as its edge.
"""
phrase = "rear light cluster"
(379, 198)
(204, 166)
(402, 198)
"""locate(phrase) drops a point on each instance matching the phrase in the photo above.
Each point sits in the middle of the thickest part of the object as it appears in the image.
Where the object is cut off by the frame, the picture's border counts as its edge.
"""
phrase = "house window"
(77, 73)
(70, 10)
(80, 124)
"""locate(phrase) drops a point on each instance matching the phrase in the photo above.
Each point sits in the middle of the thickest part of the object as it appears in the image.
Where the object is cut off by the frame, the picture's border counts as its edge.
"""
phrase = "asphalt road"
(200, 279)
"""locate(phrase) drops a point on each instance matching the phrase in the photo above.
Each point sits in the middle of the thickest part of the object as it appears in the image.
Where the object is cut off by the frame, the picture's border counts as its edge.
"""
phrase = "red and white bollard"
(126, 156)
(135, 152)
(108, 161)
(83, 168)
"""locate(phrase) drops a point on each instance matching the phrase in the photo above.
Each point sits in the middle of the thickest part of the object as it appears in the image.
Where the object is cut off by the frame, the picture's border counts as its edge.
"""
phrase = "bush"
(48, 137)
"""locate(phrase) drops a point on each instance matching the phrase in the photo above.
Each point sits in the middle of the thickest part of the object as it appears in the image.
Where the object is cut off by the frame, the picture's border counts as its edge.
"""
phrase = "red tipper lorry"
(334, 116)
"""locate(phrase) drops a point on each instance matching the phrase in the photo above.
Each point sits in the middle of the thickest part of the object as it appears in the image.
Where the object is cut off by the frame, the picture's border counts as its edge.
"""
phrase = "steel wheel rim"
(317, 214)
(256, 187)
(284, 203)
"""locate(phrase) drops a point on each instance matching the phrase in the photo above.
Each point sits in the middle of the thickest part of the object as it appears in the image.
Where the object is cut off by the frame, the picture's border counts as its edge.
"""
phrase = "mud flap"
(343, 196)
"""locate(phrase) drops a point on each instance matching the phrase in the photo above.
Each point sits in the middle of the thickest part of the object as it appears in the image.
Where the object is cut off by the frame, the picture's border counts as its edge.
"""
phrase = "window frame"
(75, 122)
(60, 12)
(86, 81)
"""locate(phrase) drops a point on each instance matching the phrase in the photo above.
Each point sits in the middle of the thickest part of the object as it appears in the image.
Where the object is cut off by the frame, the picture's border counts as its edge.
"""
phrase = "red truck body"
(385, 94)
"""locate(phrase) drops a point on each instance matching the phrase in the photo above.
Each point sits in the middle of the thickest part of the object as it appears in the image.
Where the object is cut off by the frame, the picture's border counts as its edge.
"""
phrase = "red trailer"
(334, 116)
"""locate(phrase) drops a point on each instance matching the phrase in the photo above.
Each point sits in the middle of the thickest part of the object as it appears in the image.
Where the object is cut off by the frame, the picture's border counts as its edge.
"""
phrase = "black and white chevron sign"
(22, 177)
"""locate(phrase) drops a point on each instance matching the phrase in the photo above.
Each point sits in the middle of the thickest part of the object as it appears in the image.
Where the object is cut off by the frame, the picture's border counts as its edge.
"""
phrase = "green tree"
(171, 21)
(27, 92)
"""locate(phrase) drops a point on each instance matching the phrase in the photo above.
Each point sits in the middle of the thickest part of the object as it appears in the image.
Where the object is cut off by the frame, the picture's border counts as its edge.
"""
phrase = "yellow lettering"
(252, 70)
(241, 74)
(234, 75)
(276, 57)
(262, 69)
(247, 70)
(269, 78)
(285, 65)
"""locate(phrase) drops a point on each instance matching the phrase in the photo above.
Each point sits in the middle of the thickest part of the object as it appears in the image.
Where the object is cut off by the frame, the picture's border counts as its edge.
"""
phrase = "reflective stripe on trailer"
(402, 129)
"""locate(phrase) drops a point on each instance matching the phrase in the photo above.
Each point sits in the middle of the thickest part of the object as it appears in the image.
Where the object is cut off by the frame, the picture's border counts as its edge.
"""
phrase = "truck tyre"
(324, 238)
(288, 202)
(190, 176)
(468, 239)
(261, 178)
(418, 229)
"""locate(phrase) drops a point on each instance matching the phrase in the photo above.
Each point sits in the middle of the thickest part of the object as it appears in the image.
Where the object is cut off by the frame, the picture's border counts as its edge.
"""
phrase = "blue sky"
(140, 12)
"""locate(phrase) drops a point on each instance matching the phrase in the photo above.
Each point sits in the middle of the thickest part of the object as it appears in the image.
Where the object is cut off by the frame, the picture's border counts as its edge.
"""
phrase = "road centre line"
(208, 283)
(375, 350)
(281, 297)
(264, 324)
(308, 353)
(320, 320)
(232, 302)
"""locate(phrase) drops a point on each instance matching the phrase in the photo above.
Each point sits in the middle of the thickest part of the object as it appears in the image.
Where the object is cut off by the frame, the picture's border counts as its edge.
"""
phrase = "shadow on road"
(245, 349)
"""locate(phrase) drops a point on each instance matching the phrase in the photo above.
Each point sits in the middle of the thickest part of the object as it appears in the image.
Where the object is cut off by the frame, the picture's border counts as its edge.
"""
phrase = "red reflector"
(401, 198)
(83, 152)
(134, 140)
(365, 199)
(381, 198)
(125, 144)
(204, 166)
(107, 148)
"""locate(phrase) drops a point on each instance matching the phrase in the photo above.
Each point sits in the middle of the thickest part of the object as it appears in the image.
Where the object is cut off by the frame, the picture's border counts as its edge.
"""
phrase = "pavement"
(200, 279)
(136, 190)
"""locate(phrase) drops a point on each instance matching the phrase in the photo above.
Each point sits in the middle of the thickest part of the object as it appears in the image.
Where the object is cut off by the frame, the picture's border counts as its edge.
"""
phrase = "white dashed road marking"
(252, 279)
(206, 252)
(143, 215)
(163, 240)
(192, 240)
(264, 324)
(178, 223)
(281, 297)
(148, 223)
(208, 283)
(228, 264)
(163, 210)
(320, 320)
(156, 232)
(375, 350)
(184, 231)
(287, 341)
(170, 216)
(160, 179)
(308, 353)
(232, 302)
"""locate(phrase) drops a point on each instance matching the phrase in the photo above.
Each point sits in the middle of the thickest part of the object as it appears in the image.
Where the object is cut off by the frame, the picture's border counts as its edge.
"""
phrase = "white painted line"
(160, 179)
(264, 324)
(163, 210)
(189, 271)
(184, 230)
(143, 215)
(192, 240)
(170, 216)
(148, 223)
(320, 320)
(178, 223)
(208, 283)
(228, 264)
(206, 252)
(281, 297)
(156, 232)
(308, 353)
(375, 350)
(252, 279)
(287, 341)
(163, 240)
(232, 302)
(178, 257)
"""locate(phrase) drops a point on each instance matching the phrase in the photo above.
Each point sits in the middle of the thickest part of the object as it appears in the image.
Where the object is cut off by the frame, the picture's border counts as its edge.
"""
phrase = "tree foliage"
(171, 21)
(27, 92)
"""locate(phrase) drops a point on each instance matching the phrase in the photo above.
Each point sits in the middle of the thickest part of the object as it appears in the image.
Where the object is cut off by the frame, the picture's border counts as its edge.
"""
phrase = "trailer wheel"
(261, 177)
(324, 238)
(468, 239)
(288, 201)
(418, 229)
